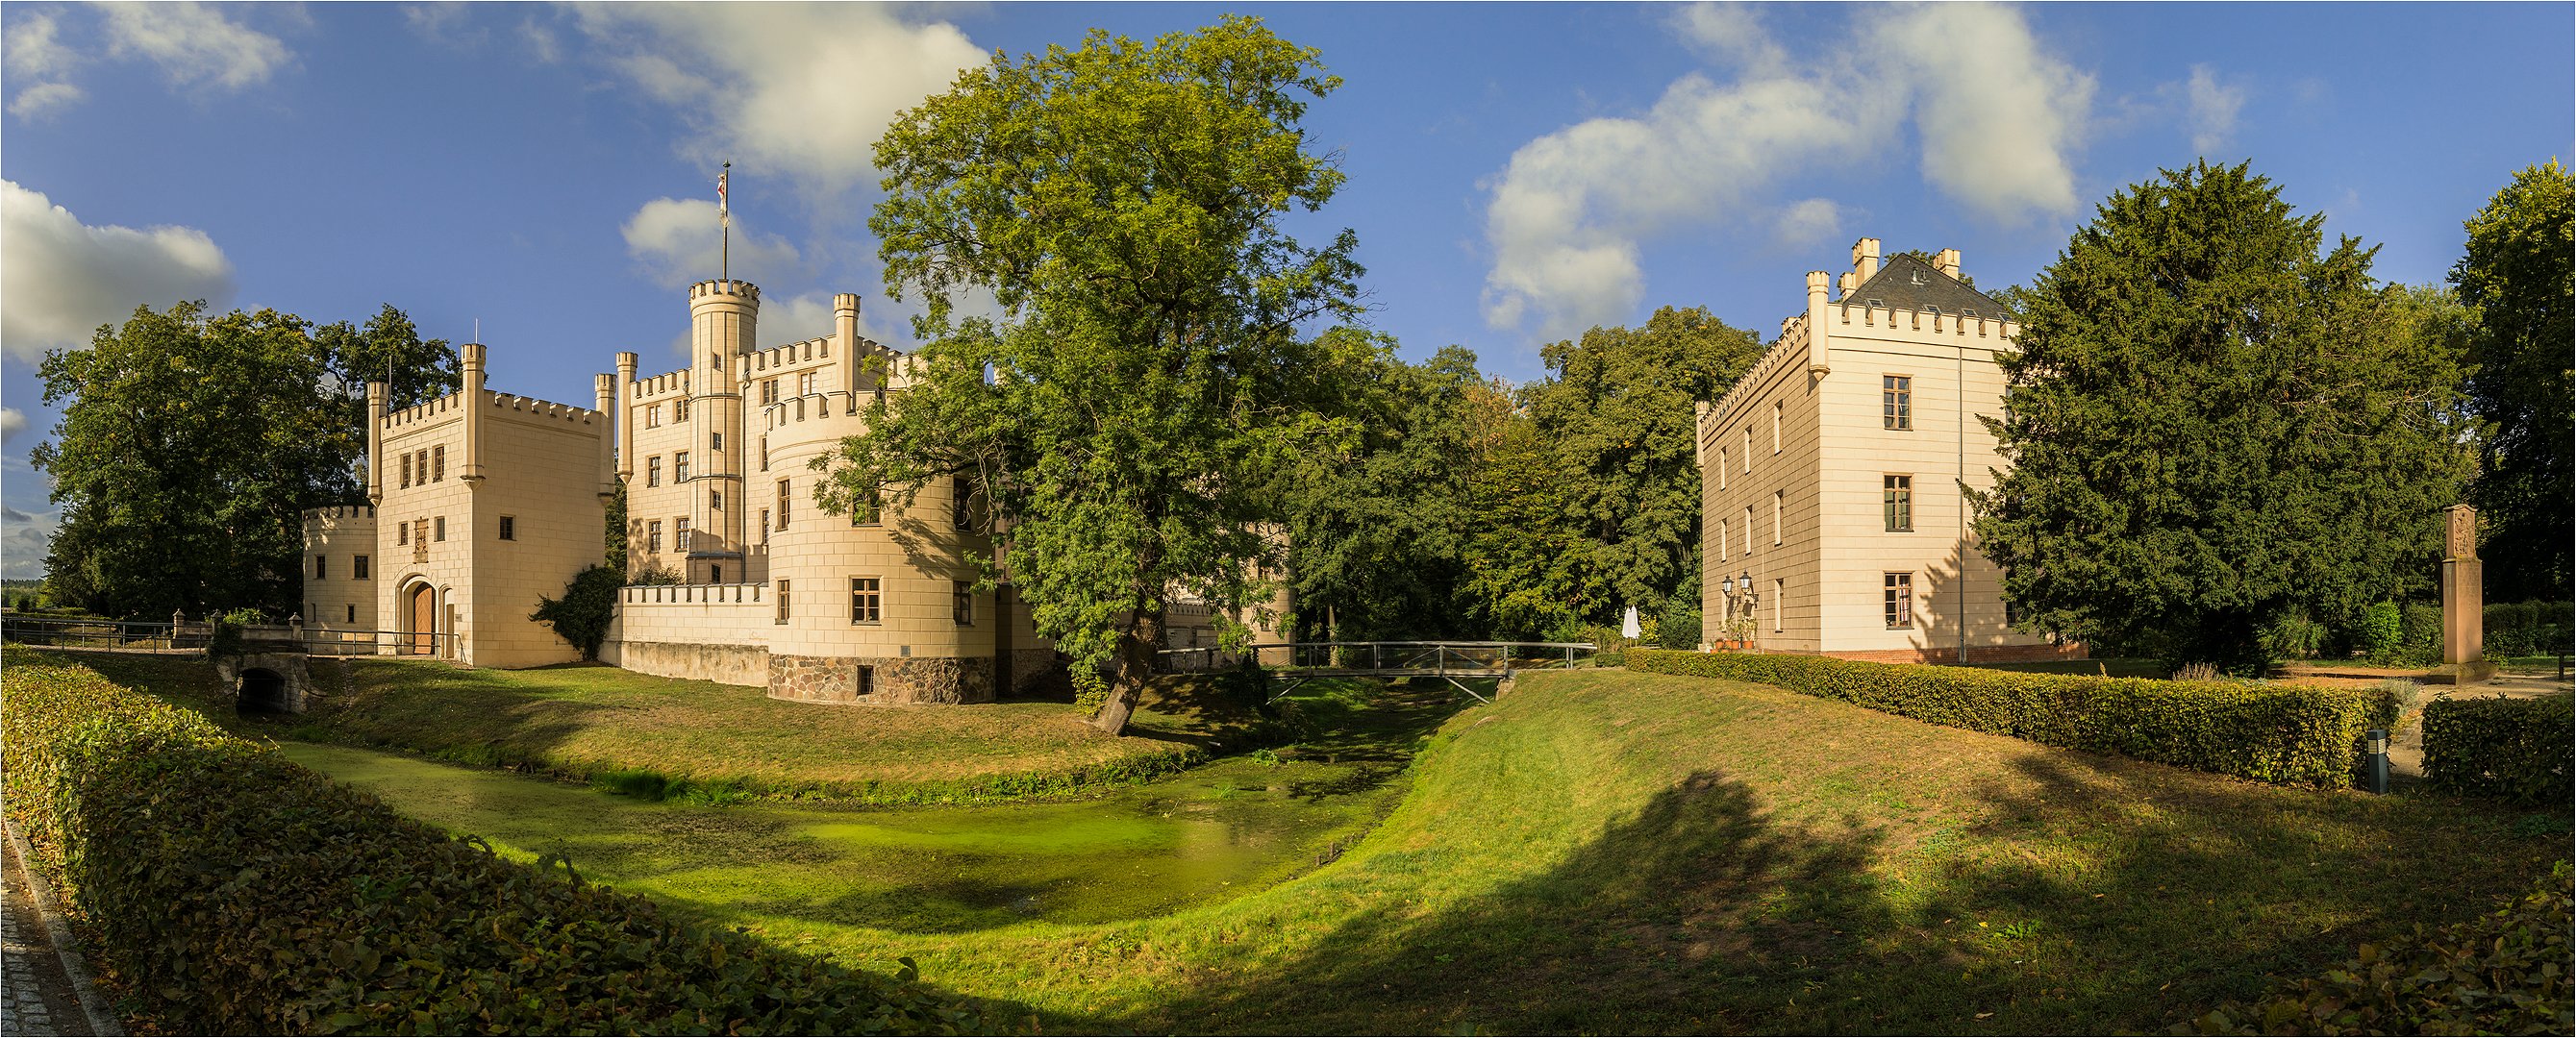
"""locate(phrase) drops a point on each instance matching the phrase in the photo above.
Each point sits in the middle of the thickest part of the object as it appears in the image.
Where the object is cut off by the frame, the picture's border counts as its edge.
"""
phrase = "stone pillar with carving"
(2463, 589)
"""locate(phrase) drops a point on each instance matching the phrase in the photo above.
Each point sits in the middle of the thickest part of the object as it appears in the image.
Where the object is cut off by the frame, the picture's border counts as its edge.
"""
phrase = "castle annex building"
(482, 502)
(1831, 517)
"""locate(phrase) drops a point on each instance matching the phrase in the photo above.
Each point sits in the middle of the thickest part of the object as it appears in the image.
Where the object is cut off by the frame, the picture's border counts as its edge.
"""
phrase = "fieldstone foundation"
(893, 681)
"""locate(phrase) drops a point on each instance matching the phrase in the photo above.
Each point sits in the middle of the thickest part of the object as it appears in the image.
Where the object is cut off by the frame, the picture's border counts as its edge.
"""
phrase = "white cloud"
(43, 99)
(35, 51)
(1811, 222)
(680, 241)
(194, 44)
(25, 538)
(12, 422)
(540, 40)
(790, 91)
(447, 23)
(63, 278)
(2212, 109)
(1571, 211)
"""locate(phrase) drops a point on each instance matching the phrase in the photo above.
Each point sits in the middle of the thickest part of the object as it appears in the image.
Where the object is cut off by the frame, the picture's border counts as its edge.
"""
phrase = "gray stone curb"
(102, 1020)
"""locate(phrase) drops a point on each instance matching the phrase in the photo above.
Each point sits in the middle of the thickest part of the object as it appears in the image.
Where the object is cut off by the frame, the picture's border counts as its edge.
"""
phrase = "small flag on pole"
(722, 207)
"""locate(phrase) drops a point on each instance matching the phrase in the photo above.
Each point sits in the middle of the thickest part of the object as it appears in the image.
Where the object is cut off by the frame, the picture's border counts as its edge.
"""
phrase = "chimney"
(1865, 258)
(1947, 262)
(1848, 282)
(470, 357)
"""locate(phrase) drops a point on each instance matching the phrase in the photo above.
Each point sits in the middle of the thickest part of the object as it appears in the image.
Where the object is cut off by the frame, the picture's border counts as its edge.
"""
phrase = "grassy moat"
(1597, 851)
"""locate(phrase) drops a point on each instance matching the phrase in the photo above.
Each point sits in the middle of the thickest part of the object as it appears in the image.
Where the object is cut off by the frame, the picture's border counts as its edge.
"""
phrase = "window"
(1748, 448)
(961, 602)
(805, 384)
(2012, 613)
(680, 467)
(1899, 499)
(764, 454)
(764, 526)
(353, 614)
(715, 441)
(653, 416)
(321, 567)
(438, 459)
(866, 683)
(715, 573)
(1748, 529)
(961, 507)
(1900, 600)
(1777, 496)
(869, 510)
(783, 498)
(1896, 399)
(509, 528)
(1775, 428)
(1721, 468)
(867, 600)
(1779, 590)
(715, 500)
(406, 469)
(1721, 540)
(680, 410)
(680, 533)
(653, 537)
(420, 466)
(402, 533)
(769, 391)
(782, 602)
(442, 527)
(653, 471)
(360, 572)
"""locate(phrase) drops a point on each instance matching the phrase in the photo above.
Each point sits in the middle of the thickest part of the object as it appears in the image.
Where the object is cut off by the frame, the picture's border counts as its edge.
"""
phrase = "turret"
(724, 320)
(1865, 258)
(604, 390)
(1816, 316)
(625, 417)
(375, 443)
(470, 357)
(723, 326)
(1947, 262)
(845, 338)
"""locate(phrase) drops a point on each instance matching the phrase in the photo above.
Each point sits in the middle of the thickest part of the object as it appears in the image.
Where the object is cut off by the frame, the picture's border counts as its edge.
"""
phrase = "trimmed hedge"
(2529, 628)
(231, 891)
(2502, 973)
(2274, 733)
(2516, 749)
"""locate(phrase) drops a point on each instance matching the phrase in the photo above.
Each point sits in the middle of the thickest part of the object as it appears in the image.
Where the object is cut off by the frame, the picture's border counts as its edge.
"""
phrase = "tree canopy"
(2518, 280)
(2214, 421)
(190, 445)
(1151, 369)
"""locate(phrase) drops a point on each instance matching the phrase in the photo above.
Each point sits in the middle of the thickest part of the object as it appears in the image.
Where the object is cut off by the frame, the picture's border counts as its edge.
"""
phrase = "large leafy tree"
(2213, 421)
(189, 446)
(1377, 525)
(2518, 280)
(1618, 414)
(1148, 373)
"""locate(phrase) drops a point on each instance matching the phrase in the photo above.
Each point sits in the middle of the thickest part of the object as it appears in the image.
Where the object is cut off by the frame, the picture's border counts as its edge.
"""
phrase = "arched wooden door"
(424, 620)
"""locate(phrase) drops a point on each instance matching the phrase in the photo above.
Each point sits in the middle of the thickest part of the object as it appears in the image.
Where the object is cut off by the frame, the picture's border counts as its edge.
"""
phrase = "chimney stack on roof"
(1947, 262)
(1865, 258)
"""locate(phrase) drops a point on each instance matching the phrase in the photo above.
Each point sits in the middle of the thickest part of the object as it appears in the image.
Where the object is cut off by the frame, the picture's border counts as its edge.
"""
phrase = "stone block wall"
(898, 681)
(691, 661)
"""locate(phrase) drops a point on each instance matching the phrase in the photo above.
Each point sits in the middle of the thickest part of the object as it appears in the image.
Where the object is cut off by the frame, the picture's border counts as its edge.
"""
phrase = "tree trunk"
(1135, 668)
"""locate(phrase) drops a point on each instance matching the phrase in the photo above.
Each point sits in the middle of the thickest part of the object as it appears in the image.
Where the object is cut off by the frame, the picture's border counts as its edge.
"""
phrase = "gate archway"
(420, 620)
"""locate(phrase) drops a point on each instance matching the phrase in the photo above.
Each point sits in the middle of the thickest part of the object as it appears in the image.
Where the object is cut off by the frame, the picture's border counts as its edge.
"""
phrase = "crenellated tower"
(723, 325)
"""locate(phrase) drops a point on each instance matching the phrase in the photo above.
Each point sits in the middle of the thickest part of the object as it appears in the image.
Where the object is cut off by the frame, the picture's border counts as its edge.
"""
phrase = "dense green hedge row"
(2518, 749)
(2501, 973)
(234, 892)
(2275, 733)
(2529, 628)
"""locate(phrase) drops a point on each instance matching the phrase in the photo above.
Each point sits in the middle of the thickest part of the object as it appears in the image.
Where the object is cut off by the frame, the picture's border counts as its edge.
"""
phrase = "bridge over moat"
(1294, 663)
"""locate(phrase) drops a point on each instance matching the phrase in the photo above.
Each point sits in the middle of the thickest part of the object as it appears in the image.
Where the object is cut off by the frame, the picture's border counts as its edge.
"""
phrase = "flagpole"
(724, 215)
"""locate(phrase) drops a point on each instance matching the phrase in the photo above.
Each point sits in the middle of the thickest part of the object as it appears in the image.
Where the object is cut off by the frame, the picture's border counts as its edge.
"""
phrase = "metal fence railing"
(1441, 658)
(150, 636)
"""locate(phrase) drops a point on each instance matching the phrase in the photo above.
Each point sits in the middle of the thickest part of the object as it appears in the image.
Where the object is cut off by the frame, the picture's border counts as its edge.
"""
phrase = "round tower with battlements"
(724, 320)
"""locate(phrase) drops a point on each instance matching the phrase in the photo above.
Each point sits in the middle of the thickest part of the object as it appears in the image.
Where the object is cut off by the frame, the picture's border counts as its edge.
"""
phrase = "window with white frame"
(1900, 600)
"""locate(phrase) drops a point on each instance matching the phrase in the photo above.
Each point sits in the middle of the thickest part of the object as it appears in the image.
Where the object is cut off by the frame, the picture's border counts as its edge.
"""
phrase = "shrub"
(2295, 636)
(2275, 733)
(2501, 973)
(2515, 749)
(2380, 632)
(1679, 629)
(2422, 640)
(582, 615)
(2529, 628)
(234, 892)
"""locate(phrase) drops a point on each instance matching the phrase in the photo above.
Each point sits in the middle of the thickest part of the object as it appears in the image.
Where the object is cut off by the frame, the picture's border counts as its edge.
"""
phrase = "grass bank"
(1602, 851)
(662, 734)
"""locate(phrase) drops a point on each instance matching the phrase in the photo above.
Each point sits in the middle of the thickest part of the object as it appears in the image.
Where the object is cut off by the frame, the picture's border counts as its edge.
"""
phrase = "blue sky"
(1517, 172)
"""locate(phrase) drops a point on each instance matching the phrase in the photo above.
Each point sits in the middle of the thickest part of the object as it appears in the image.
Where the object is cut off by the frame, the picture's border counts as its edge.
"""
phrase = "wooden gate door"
(424, 620)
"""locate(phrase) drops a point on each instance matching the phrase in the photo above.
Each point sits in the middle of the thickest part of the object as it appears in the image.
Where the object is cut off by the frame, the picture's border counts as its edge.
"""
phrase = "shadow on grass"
(2086, 895)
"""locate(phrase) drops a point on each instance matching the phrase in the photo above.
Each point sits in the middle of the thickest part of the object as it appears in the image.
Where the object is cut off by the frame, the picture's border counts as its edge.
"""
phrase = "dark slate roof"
(1906, 283)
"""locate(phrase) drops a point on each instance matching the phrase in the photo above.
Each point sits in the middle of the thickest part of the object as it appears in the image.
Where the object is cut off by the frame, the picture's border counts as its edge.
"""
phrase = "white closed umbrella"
(1628, 627)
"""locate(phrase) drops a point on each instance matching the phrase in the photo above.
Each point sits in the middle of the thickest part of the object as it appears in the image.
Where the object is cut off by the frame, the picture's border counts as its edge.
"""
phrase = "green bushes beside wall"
(2275, 733)
(2516, 749)
(2530, 628)
(233, 892)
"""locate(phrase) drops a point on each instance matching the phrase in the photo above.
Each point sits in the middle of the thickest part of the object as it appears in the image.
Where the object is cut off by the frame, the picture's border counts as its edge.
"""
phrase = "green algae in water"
(1226, 830)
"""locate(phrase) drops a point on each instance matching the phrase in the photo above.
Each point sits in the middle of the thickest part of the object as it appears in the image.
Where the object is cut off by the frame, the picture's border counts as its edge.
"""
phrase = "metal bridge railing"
(151, 636)
(1459, 658)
